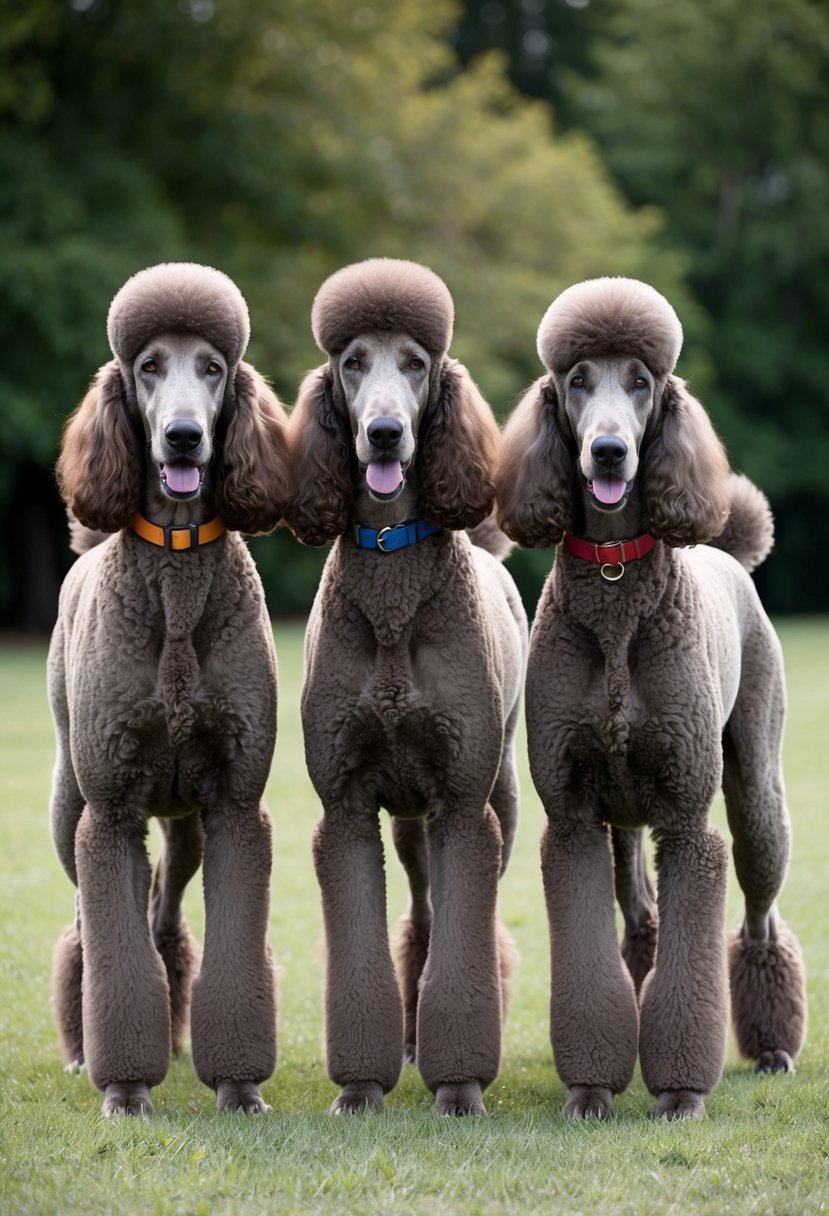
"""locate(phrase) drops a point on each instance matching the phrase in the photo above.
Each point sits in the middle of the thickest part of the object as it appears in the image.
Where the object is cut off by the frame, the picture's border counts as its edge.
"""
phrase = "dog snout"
(384, 433)
(184, 435)
(608, 451)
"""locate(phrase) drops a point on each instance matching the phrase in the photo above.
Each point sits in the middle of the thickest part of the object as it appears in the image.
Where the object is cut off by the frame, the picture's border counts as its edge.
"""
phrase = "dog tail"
(749, 533)
(487, 535)
(82, 538)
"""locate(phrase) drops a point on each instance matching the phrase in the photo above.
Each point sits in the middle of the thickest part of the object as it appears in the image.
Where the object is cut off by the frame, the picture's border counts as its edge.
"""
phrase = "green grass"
(763, 1149)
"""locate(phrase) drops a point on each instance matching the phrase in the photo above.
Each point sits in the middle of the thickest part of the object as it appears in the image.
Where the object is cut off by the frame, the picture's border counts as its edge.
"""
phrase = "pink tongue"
(384, 475)
(181, 478)
(609, 489)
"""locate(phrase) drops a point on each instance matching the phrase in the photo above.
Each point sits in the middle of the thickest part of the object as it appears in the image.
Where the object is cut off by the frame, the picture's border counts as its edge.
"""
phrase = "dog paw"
(774, 1061)
(240, 1096)
(463, 1099)
(75, 1068)
(588, 1102)
(679, 1104)
(358, 1095)
(126, 1098)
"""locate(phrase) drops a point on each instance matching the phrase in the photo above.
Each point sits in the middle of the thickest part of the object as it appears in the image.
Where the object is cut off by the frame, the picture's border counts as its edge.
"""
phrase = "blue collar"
(387, 540)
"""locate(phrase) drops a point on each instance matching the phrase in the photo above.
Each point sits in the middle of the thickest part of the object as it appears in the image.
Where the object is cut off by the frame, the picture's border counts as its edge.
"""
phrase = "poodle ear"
(319, 450)
(535, 470)
(456, 458)
(254, 488)
(97, 471)
(685, 471)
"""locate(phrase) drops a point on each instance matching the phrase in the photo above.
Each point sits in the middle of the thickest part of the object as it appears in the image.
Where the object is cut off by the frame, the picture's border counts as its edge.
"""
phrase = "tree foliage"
(716, 113)
(278, 140)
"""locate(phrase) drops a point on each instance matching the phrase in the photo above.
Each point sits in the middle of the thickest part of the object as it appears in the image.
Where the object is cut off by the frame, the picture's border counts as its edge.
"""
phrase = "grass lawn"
(764, 1147)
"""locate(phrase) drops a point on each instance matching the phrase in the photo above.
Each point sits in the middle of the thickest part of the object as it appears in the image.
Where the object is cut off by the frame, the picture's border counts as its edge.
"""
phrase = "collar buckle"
(191, 529)
(394, 536)
(169, 536)
(381, 537)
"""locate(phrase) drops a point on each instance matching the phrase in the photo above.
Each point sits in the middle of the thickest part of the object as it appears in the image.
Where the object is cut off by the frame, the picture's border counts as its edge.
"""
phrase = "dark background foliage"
(514, 147)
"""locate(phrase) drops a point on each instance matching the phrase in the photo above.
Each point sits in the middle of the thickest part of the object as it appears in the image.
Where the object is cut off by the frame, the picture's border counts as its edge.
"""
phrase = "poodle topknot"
(385, 294)
(179, 296)
(610, 316)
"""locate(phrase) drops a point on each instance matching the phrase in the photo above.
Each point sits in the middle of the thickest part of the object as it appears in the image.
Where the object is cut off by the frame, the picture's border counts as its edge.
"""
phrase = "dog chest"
(621, 730)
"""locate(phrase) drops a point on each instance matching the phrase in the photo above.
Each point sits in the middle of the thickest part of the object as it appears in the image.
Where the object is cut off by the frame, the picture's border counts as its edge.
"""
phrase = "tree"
(716, 112)
(276, 139)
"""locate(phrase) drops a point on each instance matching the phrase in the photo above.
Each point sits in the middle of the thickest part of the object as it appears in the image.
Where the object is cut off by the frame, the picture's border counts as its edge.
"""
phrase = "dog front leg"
(126, 1003)
(233, 1004)
(459, 1012)
(363, 1009)
(684, 1013)
(594, 1021)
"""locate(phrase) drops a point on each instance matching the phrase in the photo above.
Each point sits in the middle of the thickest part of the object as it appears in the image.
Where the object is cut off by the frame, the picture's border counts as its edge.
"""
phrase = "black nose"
(384, 433)
(608, 450)
(184, 434)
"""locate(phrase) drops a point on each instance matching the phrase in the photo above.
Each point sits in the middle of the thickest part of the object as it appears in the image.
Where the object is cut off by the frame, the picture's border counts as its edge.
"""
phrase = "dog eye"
(352, 363)
(213, 368)
(640, 382)
(416, 364)
(577, 382)
(149, 366)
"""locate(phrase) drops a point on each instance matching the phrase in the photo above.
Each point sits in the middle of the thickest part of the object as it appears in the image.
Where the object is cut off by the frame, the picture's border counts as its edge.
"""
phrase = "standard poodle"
(162, 681)
(654, 678)
(415, 656)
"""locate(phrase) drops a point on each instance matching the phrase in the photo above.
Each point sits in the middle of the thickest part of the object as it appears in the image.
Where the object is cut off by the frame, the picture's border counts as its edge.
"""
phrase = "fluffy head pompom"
(610, 316)
(178, 297)
(386, 295)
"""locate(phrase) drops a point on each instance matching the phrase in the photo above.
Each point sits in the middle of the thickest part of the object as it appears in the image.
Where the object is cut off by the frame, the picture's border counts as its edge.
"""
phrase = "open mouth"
(180, 479)
(609, 492)
(386, 478)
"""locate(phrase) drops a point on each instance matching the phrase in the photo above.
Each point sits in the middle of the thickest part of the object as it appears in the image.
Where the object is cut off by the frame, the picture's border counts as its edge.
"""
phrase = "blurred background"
(515, 146)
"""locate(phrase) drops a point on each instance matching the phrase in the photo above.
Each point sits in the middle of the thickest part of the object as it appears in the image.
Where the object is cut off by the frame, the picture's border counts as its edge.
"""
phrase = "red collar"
(610, 557)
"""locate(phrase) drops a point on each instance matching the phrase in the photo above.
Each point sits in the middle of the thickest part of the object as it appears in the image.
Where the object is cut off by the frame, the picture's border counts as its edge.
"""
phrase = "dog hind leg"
(411, 939)
(505, 798)
(505, 801)
(768, 998)
(183, 845)
(67, 977)
(637, 901)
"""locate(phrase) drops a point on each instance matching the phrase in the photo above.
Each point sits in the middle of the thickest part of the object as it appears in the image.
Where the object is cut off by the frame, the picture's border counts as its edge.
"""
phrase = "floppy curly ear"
(319, 452)
(97, 471)
(254, 488)
(534, 472)
(456, 459)
(685, 472)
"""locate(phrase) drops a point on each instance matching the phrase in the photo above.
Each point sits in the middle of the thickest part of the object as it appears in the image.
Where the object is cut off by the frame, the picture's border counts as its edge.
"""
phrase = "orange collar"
(178, 536)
